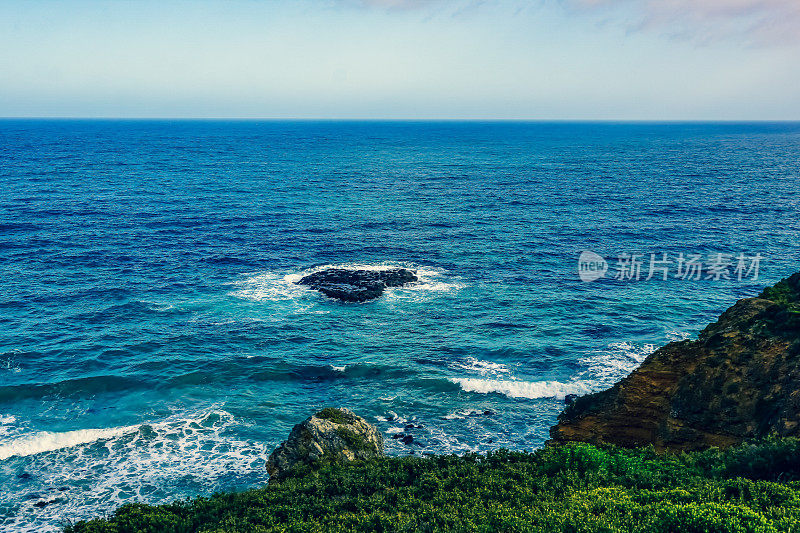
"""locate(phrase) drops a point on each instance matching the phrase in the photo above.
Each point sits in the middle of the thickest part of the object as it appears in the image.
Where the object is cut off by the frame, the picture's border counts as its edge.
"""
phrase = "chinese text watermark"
(663, 266)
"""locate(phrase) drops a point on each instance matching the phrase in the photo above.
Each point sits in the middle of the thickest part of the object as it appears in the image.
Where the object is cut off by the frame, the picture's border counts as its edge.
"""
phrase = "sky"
(402, 59)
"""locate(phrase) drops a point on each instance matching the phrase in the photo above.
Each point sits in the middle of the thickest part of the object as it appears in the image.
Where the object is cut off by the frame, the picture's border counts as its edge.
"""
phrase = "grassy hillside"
(571, 488)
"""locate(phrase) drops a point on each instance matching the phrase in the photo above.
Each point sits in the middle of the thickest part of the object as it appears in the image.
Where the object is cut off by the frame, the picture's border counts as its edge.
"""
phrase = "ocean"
(154, 345)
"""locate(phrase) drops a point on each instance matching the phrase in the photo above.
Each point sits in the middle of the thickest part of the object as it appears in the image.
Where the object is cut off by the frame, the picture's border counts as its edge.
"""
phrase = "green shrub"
(786, 292)
(571, 488)
(354, 440)
(773, 458)
(337, 416)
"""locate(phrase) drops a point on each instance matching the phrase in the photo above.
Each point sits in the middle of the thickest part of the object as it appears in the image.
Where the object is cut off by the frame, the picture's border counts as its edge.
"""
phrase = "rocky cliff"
(739, 380)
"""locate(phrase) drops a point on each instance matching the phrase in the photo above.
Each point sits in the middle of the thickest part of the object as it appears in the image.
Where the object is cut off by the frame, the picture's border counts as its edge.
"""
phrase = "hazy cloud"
(756, 21)
(391, 4)
(751, 21)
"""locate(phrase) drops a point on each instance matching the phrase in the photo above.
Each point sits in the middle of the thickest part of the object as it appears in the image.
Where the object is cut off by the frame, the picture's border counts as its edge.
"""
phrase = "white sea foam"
(606, 367)
(270, 286)
(437, 439)
(48, 441)
(603, 368)
(523, 389)
(7, 425)
(339, 368)
(159, 306)
(279, 286)
(430, 282)
(464, 413)
(100, 469)
(391, 416)
(9, 363)
(484, 368)
(673, 336)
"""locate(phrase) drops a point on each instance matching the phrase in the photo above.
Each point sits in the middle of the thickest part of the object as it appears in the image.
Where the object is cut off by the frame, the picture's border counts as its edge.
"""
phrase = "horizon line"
(412, 119)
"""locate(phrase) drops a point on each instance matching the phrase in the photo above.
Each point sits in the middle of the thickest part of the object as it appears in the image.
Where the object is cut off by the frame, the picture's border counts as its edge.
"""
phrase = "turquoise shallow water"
(154, 346)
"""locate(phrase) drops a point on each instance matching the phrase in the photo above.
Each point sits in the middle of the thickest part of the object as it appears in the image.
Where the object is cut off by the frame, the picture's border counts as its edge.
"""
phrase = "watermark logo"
(638, 267)
(591, 266)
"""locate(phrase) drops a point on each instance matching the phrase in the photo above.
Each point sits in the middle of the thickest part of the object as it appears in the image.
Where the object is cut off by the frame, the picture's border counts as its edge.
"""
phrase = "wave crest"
(48, 441)
(523, 389)
(478, 366)
(100, 469)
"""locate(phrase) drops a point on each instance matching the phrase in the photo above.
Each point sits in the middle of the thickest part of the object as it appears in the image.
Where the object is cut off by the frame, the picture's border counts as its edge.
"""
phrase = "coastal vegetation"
(575, 487)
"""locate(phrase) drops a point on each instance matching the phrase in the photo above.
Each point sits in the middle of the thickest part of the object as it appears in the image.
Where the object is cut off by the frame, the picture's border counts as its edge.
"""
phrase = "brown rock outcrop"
(739, 380)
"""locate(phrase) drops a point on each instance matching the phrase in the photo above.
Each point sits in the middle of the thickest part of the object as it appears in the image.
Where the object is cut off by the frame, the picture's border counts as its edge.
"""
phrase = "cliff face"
(739, 380)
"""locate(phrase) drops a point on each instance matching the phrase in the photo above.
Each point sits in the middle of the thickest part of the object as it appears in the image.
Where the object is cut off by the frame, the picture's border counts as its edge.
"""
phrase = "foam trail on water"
(466, 413)
(270, 286)
(8, 363)
(7, 425)
(523, 389)
(484, 368)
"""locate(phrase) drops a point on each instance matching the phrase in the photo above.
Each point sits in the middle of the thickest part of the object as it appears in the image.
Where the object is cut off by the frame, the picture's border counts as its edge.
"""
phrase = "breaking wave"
(79, 474)
(523, 389)
(606, 367)
(484, 368)
(47, 441)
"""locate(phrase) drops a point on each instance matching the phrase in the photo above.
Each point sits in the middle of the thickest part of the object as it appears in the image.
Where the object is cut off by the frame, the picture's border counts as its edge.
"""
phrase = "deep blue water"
(153, 345)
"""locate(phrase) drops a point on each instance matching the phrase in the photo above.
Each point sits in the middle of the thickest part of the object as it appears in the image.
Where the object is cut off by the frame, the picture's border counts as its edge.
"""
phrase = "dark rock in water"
(406, 438)
(147, 431)
(569, 398)
(357, 285)
(332, 435)
(739, 380)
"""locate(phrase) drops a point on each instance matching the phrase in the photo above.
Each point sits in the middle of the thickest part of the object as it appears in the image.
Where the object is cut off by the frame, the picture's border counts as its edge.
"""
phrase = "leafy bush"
(354, 440)
(571, 488)
(786, 292)
(773, 459)
(337, 416)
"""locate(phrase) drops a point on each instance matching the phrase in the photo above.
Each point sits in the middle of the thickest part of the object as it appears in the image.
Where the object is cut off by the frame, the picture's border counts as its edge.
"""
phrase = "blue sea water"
(153, 344)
